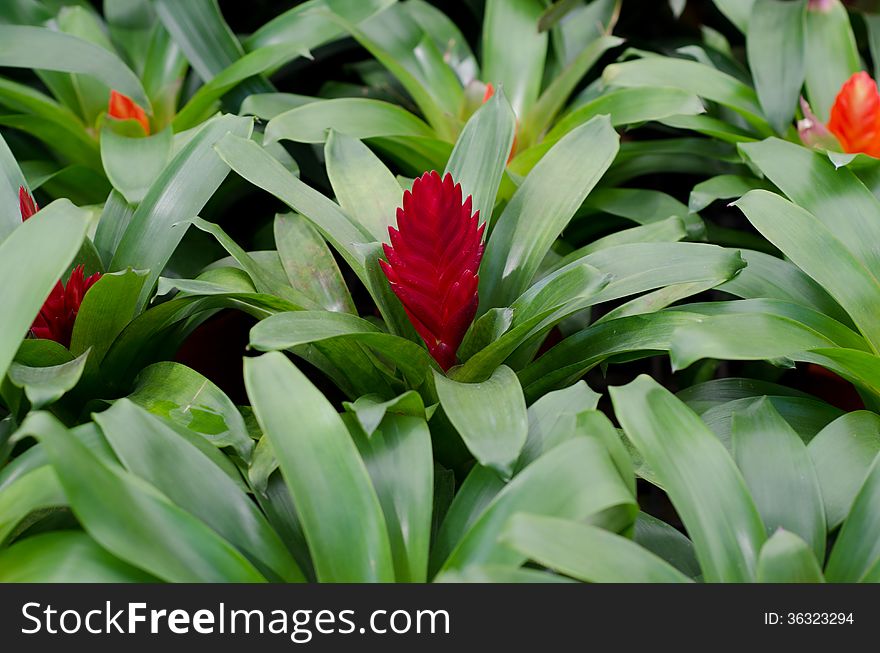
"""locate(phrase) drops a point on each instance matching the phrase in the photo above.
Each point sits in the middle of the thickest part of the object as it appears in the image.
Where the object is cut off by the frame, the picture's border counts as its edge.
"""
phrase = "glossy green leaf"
(65, 557)
(155, 452)
(832, 55)
(187, 398)
(132, 519)
(779, 474)
(514, 50)
(56, 233)
(699, 476)
(46, 385)
(857, 550)
(495, 437)
(586, 552)
(668, 543)
(26, 498)
(736, 11)
(554, 189)
(776, 49)
(842, 454)
(786, 558)
(309, 437)
(133, 164)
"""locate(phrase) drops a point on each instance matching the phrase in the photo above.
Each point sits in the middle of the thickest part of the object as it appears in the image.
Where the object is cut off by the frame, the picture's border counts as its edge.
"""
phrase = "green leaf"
(818, 251)
(856, 552)
(776, 49)
(11, 179)
(480, 154)
(371, 410)
(842, 454)
(177, 195)
(585, 552)
(365, 189)
(554, 189)
(65, 557)
(514, 50)
(309, 264)
(489, 416)
(356, 117)
(46, 385)
(45, 49)
(736, 11)
(832, 55)
(691, 77)
(309, 437)
(105, 311)
(668, 543)
(401, 467)
(132, 519)
(44, 246)
(699, 476)
(575, 480)
(786, 558)
(133, 164)
(187, 398)
(34, 494)
(779, 474)
(156, 453)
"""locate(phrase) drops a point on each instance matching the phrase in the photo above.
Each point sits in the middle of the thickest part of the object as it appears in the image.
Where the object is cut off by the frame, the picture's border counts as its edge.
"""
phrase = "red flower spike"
(123, 107)
(56, 318)
(433, 260)
(26, 203)
(855, 116)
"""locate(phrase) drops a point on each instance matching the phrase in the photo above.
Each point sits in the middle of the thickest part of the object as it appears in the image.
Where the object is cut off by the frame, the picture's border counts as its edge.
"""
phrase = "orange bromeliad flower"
(58, 315)
(26, 203)
(123, 107)
(854, 125)
(433, 262)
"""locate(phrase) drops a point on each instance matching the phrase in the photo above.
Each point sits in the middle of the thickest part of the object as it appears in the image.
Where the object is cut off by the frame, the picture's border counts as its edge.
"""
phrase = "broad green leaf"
(133, 164)
(105, 311)
(832, 55)
(736, 11)
(308, 438)
(699, 476)
(309, 264)
(45, 49)
(514, 50)
(691, 77)
(856, 552)
(33, 493)
(779, 474)
(370, 410)
(357, 117)
(668, 543)
(477, 162)
(46, 385)
(132, 519)
(776, 49)
(818, 251)
(842, 454)
(114, 220)
(554, 189)
(710, 394)
(44, 246)
(447, 37)
(65, 557)
(494, 436)
(365, 189)
(586, 552)
(575, 480)
(786, 558)
(401, 467)
(175, 197)
(187, 398)
(155, 452)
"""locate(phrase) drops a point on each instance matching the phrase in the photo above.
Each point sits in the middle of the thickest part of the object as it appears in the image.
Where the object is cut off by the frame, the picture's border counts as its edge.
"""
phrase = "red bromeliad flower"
(854, 126)
(56, 318)
(123, 107)
(26, 203)
(433, 262)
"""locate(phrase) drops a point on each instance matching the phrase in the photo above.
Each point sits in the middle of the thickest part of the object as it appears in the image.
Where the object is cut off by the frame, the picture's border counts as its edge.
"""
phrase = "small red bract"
(26, 203)
(56, 318)
(855, 116)
(123, 107)
(433, 261)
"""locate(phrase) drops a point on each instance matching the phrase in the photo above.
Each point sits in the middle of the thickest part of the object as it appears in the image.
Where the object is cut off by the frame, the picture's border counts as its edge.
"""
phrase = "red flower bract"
(433, 262)
(855, 115)
(123, 107)
(56, 318)
(26, 203)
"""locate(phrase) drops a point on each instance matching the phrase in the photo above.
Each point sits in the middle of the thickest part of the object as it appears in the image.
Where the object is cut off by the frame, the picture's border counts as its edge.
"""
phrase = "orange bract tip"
(123, 107)
(855, 115)
(490, 91)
